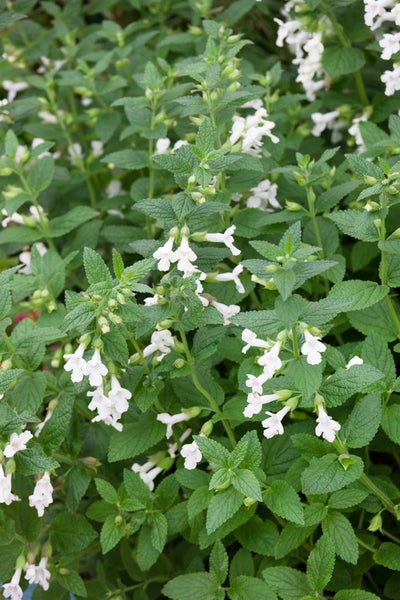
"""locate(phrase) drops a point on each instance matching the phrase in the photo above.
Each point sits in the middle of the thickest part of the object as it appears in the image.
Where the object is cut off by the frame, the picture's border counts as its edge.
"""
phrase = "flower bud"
(376, 523)
(118, 520)
(369, 180)
(249, 501)
(346, 460)
(207, 428)
(293, 206)
(192, 411)
(179, 363)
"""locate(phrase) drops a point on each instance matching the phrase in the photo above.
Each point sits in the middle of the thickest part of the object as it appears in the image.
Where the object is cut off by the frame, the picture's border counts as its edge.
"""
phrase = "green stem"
(370, 485)
(214, 406)
(392, 537)
(366, 546)
(346, 43)
(295, 343)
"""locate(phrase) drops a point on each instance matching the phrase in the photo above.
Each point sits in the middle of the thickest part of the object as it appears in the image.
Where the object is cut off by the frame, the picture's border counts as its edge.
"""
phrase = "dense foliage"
(200, 258)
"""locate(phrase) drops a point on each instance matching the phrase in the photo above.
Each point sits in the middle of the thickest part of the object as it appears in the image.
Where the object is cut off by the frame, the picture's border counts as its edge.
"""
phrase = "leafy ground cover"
(200, 323)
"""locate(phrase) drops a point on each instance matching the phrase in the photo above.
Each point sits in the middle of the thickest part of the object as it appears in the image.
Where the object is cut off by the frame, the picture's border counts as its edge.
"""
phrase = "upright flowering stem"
(383, 270)
(296, 350)
(214, 406)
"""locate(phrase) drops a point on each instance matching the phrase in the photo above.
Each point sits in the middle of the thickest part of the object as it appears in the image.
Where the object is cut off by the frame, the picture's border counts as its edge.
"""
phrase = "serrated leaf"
(41, 174)
(326, 474)
(391, 422)
(201, 586)
(245, 482)
(376, 352)
(96, 269)
(363, 422)
(127, 159)
(355, 595)
(33, 461)
(364, 167)
(320, 564)
(216, 454)
(388, 555)
(219, 563)
(159, 529)
(258, 536)
(264, 323)
(340, 531)
(223, 505)
(375, 319)
(287, 582)
(347, 498)
(292, 536)
(106, 491)
(340, 386)
(71, 220)
(358, 224)
(71, 532)
(111, 534)
(338, 61)
(135, 438)
(283, 500)
(245, 587)
(361, 294)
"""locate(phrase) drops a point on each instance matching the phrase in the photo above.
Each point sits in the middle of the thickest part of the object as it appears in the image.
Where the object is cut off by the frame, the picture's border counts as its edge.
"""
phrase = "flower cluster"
(251, 130)
(34, 574)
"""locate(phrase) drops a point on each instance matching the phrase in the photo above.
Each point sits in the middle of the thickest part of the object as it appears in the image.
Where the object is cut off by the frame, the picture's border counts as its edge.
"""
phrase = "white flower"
(376, 14)
(224, 238)
(171, 420)
(25, 258)
(178, 145)
(39, 574)
(165, 255)
(162, 145)
(17, 442)
(76, 363)
(161, 341)
(392, 81)
(270, 360)
(323, 121)
(256, 401)
(252, 341)
(356, 360)
(47, 117)
(312, 348)
(13, 88)
(355, 131)
(119, 396)
(110, 408)
(185, 256)
(114, 188)
(390, 43)
(192, 455)
(226, 310)
(234, 276)
(273, 425)
(256, 382)
(6, 496)
(95, 369)
(147, 473)
(263, 196)
(13, 590)
(42, 495)
(97, 147)
(75, 153)
(252, 129)
(326, 427)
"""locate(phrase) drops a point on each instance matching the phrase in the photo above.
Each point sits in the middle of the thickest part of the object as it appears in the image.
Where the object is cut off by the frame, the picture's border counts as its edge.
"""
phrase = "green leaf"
(33, 460)
(375, 319)
(364, 167)
(250, 588)
(288, 583)
(159, 529)
(338, 61)
(201, 586)
(376, 352)
(223, 505)
(285, 281)
(219, 563)
(292, 536)
(340, 386)
(245, 482)
(347, 498)
(72, 582)
(340, 532)
(7, 378)
(95, 268)
(135, 438)
(10, 143)
(198, 501)
(76, 483)
(326, 474)
(118, 264)
(9, 17)
(71, 220)
(358, 224)
(319, 313)
(320, 564)
(41, 174)
(258, 536)
(303, 377)
(283, 500)
(205, 136)
(264, 323)
(216, 454)
(363, 421)
(361, 294)
(138, 492)
(106, 491)
(56, 428)
(71, 532)
(146, 554)
(355, 595)
(127, 159)
(391, 422)
(111, 533)
(388, 555)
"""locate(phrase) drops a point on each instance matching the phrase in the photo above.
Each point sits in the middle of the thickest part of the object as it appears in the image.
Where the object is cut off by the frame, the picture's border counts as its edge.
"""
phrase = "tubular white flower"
(165, 255)
(161, 341)
(234, 276)
(76, 363)
(42, 495)
(252, 341)
(114, 188)
(13, 590)
(25, 258)
(391, 79)
(326, 426)
(171, 420)
(376, 13)
(312, 348)
(256, 401)
(162, 145)
(13, 88)
(6, 495)
(271, 361)
(226, 310)
(192, 455)
(185, 256)
(95, 369)
(17, 442)
(263, 196)
(224, 238)
(39, 574)
(273, 425)
(97, 147)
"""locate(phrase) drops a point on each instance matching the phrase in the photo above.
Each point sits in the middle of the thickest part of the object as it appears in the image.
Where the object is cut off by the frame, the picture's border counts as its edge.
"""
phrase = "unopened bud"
(179, 363)
(346, 460)
(369, 180)
(392, 190)
(207, 428)
(376, 523)
(249, 502)
(118, 520)
(293, 206)
(192, 412)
